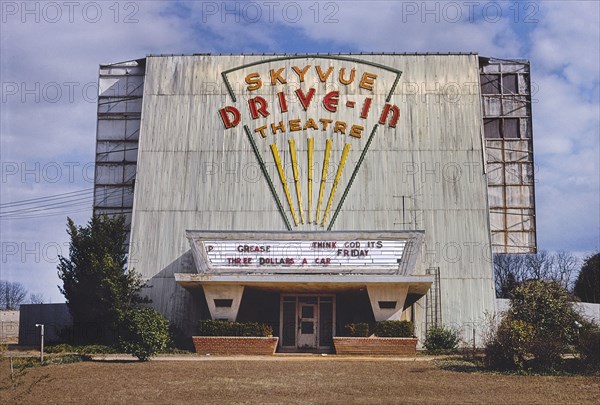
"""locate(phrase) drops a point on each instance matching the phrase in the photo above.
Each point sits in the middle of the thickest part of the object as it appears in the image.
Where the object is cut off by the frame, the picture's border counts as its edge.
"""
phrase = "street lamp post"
(41, 326)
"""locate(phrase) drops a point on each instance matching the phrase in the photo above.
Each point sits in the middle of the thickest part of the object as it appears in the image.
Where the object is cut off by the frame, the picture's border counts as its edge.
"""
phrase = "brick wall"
(235, 345)
(374, 346)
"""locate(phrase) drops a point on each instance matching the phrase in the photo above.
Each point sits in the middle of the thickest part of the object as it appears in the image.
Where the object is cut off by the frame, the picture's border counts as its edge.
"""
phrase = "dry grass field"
(282, 381)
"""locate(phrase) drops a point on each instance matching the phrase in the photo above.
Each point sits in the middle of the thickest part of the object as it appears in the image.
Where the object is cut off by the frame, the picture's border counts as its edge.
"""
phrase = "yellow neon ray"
(311, 147)
(328, 144)
(296, 178)
(283, 181)
(338, 175)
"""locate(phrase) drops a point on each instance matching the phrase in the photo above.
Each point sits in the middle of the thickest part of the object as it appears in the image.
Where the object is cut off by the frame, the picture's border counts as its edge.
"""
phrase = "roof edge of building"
(314, 53)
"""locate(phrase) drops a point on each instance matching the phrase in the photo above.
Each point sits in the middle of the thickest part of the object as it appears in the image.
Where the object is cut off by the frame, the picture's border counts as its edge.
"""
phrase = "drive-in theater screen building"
(311, 191)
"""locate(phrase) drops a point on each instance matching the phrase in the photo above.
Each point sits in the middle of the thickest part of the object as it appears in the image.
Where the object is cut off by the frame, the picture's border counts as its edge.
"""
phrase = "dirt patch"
(274, 382)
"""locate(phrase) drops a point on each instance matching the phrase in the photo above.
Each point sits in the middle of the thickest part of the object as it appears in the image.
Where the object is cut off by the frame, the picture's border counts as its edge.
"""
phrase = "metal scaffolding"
(506, 104)
(121, 87)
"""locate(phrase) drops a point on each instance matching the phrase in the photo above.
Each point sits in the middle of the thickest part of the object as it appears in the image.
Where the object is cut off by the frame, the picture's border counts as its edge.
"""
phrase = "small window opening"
(223, 303)
(387, 304)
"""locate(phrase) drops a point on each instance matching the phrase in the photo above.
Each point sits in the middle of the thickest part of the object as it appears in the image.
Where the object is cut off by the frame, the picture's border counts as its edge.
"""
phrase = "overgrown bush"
(508, 346)
(227, 328)
(96, 349)
(589, 346)
(88, 349)
(60, 348)
(394, 329)
(359, 329)
(538, 326)
(143, 333)
(440, 340)
(548, 307)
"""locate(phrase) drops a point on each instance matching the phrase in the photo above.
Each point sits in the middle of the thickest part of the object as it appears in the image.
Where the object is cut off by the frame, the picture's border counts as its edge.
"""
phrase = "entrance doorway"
(307, 322)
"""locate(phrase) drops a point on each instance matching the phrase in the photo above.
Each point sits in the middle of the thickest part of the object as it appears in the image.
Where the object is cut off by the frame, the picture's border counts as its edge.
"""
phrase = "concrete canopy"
(383, 263)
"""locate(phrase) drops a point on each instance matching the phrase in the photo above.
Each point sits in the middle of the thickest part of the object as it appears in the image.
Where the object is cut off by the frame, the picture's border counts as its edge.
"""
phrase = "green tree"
(587, 286)
(96, 284)
(539, 324)
(143, 333)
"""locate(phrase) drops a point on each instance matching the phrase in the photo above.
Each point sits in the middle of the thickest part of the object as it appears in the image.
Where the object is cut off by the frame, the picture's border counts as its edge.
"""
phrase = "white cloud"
(416, 27)
(43, 132)
(563, 46)
(564, 120)
(566, 39)
(565, 58)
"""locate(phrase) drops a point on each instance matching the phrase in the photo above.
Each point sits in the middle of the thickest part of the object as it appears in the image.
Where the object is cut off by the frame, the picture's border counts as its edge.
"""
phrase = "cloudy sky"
(50, 52)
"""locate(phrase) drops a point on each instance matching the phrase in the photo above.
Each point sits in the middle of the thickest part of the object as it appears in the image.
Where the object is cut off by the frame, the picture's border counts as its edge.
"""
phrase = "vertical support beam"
(311, 148)
(222, 293)
(383, 295)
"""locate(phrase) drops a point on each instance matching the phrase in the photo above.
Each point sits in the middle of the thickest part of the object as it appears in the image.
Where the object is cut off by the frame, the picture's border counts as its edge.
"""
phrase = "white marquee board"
(386, 252)
(306, 253)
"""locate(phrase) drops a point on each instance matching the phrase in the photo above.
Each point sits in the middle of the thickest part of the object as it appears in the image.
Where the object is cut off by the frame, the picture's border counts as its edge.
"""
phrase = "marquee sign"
(254, 252)
(310, 117)
(339, 253)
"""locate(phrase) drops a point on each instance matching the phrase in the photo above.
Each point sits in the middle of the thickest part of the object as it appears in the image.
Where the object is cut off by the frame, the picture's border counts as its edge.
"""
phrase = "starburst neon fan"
(310, 121)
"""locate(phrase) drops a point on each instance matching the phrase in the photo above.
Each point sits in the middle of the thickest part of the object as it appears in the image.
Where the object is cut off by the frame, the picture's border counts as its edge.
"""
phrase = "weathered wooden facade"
(205, 151)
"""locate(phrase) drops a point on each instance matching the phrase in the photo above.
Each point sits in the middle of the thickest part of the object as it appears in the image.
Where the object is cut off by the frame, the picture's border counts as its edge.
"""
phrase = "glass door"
(307, 322)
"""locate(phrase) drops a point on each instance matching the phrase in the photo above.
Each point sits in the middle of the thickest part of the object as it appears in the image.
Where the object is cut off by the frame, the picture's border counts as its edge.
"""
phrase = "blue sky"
(50, 52)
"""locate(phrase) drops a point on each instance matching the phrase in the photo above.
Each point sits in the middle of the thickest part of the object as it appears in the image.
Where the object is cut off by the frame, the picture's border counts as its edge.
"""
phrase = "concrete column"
(223, 300)
(387, 300)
